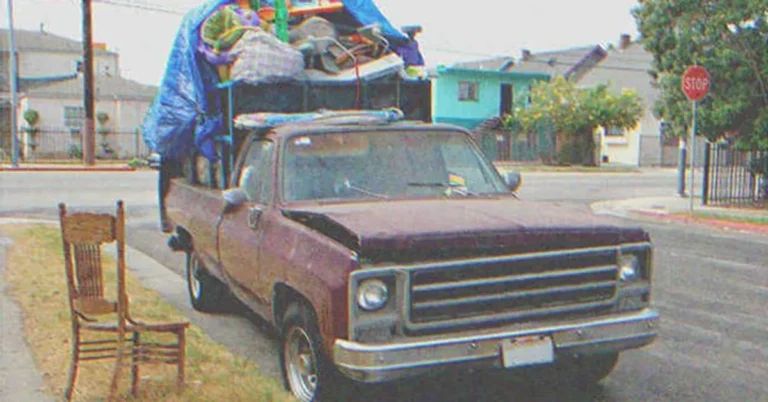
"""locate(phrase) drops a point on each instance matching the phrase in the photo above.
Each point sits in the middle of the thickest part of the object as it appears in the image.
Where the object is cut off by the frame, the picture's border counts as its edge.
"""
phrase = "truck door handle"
(253, 217)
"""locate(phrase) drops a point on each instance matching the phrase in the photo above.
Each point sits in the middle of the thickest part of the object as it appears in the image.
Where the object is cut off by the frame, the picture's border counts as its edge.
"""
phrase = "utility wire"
(141, 6)
(552, 62)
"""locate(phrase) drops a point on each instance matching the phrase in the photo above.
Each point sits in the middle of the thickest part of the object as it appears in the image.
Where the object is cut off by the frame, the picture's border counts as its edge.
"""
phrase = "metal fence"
(52, 145)
(734, 177)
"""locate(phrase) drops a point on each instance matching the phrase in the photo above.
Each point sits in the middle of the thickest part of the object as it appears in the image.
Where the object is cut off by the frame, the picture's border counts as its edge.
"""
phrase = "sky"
(452, 31)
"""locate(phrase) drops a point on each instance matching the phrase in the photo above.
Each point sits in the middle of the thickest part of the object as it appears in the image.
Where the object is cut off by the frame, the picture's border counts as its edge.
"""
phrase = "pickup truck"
(384, 250)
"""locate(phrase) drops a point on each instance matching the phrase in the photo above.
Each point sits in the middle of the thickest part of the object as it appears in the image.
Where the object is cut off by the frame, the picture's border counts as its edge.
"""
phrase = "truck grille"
(508, 289)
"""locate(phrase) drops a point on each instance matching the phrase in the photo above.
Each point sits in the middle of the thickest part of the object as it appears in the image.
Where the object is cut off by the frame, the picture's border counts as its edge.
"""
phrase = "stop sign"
(696, 82)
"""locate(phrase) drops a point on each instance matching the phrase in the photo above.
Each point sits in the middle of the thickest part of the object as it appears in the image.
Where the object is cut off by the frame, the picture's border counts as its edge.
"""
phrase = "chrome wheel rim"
(300, 364)
(192, 272)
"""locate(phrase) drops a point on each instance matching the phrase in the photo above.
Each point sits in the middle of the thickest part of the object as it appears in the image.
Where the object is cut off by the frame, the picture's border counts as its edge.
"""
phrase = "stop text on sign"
(696, 81)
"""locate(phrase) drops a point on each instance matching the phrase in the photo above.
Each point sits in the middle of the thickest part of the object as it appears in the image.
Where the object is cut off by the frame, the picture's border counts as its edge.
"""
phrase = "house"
(623, 66)
(627, 66)
(571, 63)
(469, 94)
(50, 84)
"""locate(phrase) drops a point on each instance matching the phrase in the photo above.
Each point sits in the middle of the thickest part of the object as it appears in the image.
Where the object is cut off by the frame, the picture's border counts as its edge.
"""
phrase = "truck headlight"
(372, 294)
(629, 267)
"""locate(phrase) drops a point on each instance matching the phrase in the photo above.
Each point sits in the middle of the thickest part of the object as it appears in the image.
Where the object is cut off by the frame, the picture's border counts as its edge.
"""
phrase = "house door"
(507, 99)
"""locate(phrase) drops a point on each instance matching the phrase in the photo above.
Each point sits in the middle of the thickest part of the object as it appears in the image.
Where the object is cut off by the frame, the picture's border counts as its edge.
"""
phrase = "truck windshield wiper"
(349, 185)
(453, 187)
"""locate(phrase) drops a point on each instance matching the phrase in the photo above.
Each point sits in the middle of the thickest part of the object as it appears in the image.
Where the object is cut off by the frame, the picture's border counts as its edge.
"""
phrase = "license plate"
(526, 351)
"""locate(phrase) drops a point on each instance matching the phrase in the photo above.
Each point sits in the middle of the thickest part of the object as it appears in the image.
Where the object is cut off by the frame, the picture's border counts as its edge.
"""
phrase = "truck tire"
(586, 371)
(206, 293)
(308, 374)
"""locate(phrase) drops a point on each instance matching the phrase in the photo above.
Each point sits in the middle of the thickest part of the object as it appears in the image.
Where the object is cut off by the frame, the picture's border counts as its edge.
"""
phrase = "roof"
(493, 64)
(510, 74)
(106, 88)
(557, 62)
(43, 41)
(627, 68)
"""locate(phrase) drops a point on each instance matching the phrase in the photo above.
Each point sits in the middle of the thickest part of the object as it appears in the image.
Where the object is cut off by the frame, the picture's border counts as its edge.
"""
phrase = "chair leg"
(70, 390)
(118, 368)
(181, 359)
(135, 361)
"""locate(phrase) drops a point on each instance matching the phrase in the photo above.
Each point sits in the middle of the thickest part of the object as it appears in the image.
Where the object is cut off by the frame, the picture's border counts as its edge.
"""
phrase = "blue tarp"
(181, 117)
(367, 13)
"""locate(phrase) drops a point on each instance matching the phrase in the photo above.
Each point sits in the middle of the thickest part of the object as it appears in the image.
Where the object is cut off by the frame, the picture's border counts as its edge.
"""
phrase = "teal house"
(469, 94)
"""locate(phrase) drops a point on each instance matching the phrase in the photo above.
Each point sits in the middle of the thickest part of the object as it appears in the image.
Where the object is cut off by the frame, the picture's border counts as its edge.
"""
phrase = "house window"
(614, 132)
(74, 116)
(468, 91)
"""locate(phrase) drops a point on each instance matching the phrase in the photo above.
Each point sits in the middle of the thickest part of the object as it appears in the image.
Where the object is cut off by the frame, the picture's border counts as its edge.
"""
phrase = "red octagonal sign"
(696, 82)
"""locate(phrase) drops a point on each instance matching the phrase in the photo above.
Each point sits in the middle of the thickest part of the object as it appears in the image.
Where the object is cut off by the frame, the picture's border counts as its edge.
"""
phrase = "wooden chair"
(83, 235)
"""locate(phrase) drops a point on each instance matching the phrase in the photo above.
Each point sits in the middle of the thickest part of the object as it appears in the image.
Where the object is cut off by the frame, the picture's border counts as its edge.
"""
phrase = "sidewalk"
(19, 378)
(677, 209)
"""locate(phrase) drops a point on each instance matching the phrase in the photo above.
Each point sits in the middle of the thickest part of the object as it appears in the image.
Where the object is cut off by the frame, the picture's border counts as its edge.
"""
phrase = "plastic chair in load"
(92, 313)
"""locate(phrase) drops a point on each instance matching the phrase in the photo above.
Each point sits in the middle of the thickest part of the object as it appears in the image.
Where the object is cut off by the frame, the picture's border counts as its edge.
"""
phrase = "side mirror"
(233, 198)
(513, 180)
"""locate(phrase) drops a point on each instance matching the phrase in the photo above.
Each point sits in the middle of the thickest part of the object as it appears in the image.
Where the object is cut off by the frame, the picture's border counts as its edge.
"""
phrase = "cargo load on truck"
(238, 57)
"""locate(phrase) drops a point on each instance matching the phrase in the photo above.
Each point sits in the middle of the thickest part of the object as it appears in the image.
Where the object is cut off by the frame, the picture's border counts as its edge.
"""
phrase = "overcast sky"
(453, 31)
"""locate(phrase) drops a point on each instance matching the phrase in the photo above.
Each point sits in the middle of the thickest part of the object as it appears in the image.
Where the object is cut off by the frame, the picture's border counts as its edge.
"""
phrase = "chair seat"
(141, 327)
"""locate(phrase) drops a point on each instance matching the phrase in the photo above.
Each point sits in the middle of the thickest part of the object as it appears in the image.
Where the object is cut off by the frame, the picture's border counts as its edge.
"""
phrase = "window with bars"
(468, 91)
(74, 116)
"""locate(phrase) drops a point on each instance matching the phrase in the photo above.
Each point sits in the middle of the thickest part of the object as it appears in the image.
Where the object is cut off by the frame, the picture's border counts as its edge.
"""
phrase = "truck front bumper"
(385, 362)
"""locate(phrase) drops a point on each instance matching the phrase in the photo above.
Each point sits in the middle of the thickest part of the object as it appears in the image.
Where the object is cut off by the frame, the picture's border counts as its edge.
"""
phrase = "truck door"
(241, 232)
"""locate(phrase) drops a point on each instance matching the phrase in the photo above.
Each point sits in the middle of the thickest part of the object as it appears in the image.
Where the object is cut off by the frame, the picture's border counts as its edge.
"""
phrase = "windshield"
(385, 165)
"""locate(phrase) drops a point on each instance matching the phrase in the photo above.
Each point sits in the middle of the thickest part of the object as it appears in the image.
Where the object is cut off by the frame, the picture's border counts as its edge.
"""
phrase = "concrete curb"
(68, 169)
(722, 224)
(655, 210)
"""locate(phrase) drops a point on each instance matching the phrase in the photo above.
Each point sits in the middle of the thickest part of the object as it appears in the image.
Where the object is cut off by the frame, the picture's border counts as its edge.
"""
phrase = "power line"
(141, 6)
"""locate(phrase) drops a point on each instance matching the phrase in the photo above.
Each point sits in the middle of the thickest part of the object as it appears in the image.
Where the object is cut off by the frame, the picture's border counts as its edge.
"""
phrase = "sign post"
(696, 81)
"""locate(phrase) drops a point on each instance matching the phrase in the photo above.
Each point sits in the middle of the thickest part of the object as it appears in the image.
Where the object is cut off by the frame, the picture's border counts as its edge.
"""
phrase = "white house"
(623, 66)
(51, 84)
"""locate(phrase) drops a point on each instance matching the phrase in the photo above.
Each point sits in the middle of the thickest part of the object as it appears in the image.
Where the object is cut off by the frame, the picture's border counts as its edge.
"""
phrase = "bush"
(136, 162)
(75, 152)
(572, 152)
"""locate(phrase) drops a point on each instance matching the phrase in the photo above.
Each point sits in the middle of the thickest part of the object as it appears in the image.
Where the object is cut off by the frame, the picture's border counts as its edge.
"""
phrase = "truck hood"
(405, 231)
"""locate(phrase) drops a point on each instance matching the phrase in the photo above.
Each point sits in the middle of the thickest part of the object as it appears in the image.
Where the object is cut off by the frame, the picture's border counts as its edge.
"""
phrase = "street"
(709, 287)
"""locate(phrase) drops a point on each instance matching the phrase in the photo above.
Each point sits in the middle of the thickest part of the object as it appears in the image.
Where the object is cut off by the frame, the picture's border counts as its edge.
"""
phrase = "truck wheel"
(307, 372)
(206, 293)
(588, 370)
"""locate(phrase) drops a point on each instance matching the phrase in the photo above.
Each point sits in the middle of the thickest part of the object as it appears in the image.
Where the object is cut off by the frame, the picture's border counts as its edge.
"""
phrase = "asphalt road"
(710, 287)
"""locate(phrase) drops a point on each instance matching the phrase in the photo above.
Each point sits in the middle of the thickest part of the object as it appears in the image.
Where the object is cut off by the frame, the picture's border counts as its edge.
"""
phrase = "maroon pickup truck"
(388, 250)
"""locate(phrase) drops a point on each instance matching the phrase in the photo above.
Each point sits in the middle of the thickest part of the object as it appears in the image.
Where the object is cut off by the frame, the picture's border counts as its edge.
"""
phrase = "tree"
(728, 38)
(575, 114)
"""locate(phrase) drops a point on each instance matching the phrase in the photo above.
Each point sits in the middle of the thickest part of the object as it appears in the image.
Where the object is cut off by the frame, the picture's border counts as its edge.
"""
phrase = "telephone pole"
(89, 135)
(14, 90)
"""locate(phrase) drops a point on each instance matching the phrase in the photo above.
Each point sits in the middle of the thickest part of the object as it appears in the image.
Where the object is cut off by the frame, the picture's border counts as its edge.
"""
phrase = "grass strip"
(36, 281)
(756, 220)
